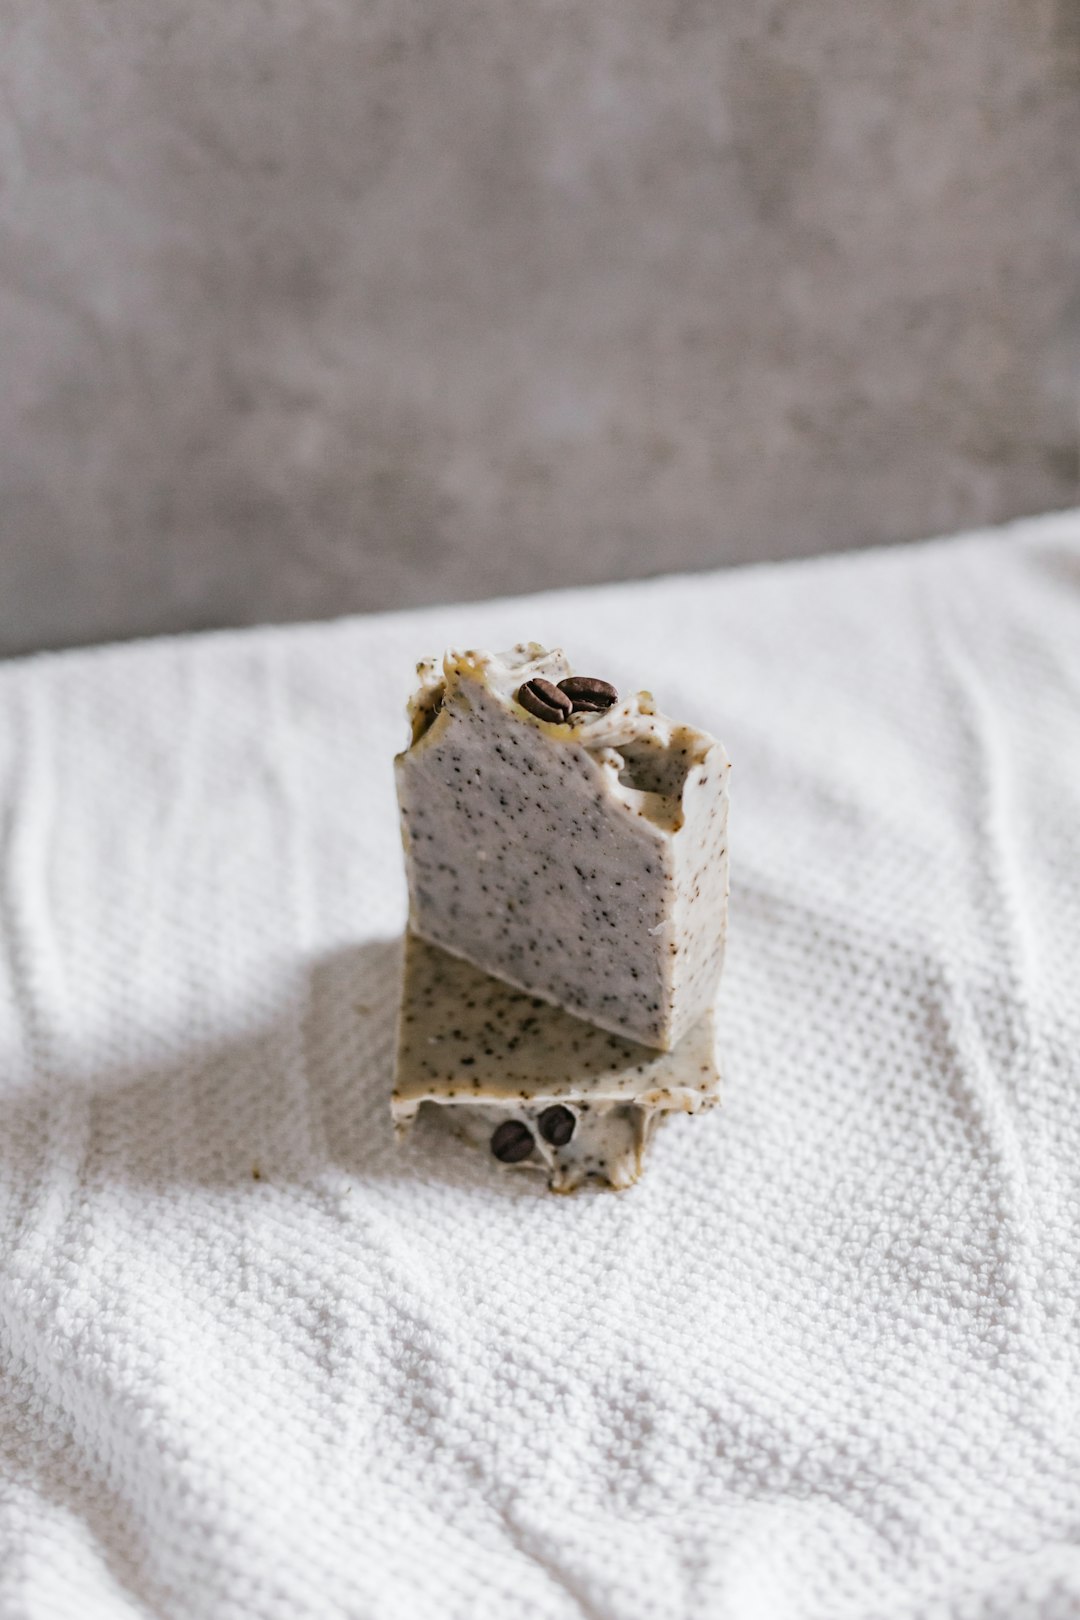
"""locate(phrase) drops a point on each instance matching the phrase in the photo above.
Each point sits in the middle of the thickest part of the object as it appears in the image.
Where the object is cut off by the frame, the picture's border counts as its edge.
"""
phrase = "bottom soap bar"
(535, 1087)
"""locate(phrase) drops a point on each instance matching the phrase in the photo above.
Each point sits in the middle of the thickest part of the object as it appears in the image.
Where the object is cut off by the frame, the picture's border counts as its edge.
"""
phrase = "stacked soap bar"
(532, 1084)
(572, 849)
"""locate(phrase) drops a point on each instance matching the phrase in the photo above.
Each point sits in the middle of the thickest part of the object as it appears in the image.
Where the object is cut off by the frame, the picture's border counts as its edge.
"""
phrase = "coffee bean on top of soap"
(557, 1125)
(588, 694)
(512, 1141)
(544, 700)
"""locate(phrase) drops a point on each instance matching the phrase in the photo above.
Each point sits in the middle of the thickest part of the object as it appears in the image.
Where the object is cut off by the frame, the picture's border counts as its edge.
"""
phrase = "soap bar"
(534, 1087)
(579, 853)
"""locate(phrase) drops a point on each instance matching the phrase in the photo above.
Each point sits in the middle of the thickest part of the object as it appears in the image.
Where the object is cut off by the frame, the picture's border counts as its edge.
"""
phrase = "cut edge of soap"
(658, 1101)
(610, 1026)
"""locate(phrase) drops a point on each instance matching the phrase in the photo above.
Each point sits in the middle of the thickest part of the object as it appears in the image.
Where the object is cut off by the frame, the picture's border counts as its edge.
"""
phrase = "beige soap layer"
(583, 860)
(487, 1053)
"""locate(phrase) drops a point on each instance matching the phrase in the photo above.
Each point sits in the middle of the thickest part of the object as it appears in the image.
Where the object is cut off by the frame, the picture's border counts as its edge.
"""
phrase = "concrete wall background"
(317, 305)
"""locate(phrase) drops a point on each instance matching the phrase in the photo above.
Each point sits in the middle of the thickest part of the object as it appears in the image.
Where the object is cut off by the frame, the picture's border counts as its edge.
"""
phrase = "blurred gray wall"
(318, 305)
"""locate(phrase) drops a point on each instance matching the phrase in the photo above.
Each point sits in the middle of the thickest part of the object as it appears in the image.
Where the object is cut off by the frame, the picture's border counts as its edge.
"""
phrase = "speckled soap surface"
(583, 859)
(584, 1101)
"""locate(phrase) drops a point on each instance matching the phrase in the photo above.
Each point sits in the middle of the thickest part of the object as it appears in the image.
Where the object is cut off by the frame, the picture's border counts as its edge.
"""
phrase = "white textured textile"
(822, 1363)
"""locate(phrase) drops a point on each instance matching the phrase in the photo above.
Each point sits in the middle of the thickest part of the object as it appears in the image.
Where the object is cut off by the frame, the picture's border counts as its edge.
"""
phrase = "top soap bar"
(581, 857)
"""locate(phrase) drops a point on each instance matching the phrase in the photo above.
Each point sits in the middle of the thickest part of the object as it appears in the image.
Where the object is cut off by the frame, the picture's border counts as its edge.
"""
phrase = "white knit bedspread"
(823, 1363)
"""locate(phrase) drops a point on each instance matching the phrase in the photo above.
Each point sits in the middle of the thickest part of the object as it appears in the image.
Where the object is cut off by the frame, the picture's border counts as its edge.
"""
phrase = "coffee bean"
(557, 1125)
(544, 700)
(511, 1141)
(588, 694)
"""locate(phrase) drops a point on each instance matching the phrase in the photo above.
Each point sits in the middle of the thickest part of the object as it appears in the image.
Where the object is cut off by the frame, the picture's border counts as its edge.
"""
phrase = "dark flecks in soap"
(511, 1141)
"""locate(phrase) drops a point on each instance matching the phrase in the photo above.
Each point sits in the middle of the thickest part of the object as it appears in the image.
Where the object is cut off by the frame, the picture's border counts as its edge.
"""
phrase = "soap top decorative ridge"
(625, 732)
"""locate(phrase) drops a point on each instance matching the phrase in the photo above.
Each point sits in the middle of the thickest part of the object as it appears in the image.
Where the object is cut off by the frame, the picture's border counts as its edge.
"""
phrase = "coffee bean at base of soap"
(557, 1125)
(544, 700)
(511, 1141)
